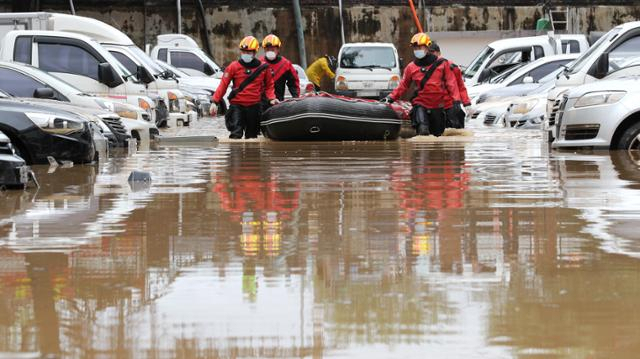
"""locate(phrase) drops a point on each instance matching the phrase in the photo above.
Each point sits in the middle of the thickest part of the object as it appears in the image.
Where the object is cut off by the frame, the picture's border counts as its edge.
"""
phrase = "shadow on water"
(478, 249)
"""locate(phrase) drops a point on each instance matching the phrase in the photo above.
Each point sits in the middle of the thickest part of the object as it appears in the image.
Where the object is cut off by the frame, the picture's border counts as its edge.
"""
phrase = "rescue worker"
(455, 113)
(435, 83)
(323, 67)
(282, 70)
(251, 81)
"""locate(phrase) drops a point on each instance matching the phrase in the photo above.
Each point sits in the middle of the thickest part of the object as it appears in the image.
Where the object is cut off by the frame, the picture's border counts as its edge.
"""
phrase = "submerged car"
(14, 172)
(38, 132)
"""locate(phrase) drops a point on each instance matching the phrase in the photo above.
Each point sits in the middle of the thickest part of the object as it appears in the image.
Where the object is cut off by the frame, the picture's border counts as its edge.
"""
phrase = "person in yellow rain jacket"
(322, 67)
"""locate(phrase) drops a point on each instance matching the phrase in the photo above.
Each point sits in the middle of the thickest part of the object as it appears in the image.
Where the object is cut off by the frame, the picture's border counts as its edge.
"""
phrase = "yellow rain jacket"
(319, 69)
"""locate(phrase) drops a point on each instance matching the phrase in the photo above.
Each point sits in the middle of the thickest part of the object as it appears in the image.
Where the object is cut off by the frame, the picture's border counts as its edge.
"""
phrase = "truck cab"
(501, 55)
(184, 53)
(367, 69)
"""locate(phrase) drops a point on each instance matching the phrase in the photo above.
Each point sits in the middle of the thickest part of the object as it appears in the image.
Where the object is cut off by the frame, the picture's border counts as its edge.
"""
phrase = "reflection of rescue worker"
(323, 67)
(251, 81)
(455, 113)
(282, 70)
(435, 82)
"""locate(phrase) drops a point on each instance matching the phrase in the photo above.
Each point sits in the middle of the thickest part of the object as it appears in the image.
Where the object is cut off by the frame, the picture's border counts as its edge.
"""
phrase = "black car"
(37, 132)
(14, 173)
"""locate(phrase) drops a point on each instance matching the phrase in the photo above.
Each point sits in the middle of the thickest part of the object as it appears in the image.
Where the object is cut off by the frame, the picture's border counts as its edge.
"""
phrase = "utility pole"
(179, 16)
(297, 13)
(73, 9)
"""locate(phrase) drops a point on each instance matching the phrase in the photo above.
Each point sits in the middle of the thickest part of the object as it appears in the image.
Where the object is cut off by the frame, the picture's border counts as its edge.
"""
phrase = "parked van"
(367, 69)
(503, 54)
(184, 53)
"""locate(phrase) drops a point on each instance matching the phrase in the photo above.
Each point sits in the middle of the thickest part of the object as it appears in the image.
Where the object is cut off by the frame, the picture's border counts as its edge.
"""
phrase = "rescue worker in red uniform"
(252, 81)
(455, 113)
(435, 83)
(284, 74)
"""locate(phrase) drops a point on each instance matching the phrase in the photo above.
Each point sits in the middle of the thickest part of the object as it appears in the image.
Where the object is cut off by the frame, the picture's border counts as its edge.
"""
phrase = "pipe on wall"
(297, 13)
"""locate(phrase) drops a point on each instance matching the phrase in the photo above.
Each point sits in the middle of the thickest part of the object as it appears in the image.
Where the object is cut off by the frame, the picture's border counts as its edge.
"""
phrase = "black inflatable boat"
(328, 118)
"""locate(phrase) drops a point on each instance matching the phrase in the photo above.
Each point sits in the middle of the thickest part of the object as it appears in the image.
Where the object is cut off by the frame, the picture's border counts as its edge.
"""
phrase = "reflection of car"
(367, 69)
(13, 170)
(601, 114)
(26, 81)
(38, 131)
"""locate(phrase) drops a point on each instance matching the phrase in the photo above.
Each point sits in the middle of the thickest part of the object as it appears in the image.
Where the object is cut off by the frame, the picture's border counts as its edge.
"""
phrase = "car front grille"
(581, 132)
(489, 119)
(559, 113)
(554, 111)
(475, 115)
(118, 130)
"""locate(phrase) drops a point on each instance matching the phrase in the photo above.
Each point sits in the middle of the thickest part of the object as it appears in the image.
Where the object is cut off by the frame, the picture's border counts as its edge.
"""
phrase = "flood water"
(491, 248)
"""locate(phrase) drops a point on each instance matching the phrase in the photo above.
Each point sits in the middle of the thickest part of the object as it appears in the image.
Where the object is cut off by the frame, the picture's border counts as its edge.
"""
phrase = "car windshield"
(595, 48)
(211, 62)
(165, 66)
(505, 74)
(367, 57)
(473, 68)
(551, 76)
(54, 82)
(146, 60)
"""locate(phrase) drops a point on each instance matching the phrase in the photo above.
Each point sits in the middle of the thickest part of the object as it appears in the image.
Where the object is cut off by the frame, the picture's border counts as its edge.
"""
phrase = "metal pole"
(297, 13)
(203, 29)
(341, 21)
(179, 17)
(73, 10)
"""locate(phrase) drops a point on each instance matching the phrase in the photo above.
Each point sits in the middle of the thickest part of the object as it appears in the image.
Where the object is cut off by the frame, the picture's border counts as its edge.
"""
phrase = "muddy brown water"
(491, 248)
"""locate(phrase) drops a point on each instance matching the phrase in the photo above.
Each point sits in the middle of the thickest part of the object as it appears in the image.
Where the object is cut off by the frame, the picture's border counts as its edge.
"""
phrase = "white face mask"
(270, 55)
(246, 58)
(419, 54)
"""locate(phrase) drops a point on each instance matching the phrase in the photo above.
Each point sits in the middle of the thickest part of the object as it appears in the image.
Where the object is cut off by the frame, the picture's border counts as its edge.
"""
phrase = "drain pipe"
(179, 16)
(301, 48)
(203, 28)
(73, 9)
(341, 21)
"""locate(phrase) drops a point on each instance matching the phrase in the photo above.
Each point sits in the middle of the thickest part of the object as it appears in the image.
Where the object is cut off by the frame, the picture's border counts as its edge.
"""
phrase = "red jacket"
(284, 74)
(252, 94)
(462, 89)
(439, 89)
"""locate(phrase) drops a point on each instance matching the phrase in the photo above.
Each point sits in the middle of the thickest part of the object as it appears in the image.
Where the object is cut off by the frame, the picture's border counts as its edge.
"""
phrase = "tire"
(630, 139)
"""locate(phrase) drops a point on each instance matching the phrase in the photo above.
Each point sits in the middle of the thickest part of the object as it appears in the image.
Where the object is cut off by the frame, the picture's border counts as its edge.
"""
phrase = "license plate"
(368, 85)
(367, 93)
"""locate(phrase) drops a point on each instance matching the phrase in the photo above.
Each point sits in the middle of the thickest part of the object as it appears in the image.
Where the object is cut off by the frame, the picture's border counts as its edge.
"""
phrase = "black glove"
(387, 99)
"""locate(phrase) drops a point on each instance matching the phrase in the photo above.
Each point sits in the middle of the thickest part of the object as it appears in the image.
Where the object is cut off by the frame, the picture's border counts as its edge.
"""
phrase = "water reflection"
(482, 249)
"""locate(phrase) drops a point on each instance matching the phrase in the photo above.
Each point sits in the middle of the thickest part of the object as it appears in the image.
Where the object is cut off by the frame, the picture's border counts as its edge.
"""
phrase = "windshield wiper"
(371, 67)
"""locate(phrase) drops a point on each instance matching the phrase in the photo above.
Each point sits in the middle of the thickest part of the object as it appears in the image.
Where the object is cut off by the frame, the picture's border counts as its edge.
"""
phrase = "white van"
(367, 69)
(184, 53)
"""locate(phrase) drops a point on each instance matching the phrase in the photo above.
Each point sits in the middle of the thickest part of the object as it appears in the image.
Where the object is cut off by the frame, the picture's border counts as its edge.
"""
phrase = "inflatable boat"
(331, 118)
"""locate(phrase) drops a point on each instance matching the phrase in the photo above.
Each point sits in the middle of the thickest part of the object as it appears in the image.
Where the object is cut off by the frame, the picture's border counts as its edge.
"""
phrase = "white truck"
(503, 54)
(615, 55)
(367, 69)
(184, 53)
(68, 45)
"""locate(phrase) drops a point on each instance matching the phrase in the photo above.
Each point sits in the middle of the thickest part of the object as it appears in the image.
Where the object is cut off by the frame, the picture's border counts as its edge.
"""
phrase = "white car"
(367, 69)
(26, 81)
(184, 53)
(604, 114)
(306, 86)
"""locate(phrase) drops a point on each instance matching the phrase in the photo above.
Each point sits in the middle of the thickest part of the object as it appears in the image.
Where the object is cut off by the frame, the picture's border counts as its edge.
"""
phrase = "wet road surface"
(491, 248)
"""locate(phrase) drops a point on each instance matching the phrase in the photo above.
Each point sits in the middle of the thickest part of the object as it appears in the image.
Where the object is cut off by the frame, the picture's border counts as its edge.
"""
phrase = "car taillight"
(341, 83)
(394, 82)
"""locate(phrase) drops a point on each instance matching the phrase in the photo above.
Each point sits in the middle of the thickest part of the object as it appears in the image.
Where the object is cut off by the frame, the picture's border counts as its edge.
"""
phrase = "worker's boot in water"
(420, 121)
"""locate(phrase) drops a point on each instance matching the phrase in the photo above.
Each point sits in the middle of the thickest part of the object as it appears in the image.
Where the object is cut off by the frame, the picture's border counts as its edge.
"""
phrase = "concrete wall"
(388, 21)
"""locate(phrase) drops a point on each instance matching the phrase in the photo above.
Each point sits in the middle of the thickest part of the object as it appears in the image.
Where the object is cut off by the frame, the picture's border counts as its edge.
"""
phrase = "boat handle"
(314, 129)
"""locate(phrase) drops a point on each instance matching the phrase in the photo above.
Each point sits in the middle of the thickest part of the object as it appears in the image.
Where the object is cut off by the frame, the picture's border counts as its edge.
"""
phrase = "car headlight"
(599, 98)
(524, 107)
(55, 124)
(174, 103)
(107, 105)
(145, 105)
(123, 110)
(341, 83)
(394, 82)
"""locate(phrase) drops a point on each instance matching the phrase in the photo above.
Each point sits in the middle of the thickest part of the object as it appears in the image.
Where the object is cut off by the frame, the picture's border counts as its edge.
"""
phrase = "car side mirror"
(108, 75)
(144, 75)
(528, 80)
(43, 92)
(602, 66)
(208, 70)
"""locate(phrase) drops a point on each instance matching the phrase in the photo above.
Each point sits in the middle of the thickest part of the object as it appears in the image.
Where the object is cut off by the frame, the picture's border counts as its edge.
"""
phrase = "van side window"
(22, 50)
(18, 84)
(67, 59)
(625, 55)
(125, 61)
(186, 60)
(162, 55)
(570, 46)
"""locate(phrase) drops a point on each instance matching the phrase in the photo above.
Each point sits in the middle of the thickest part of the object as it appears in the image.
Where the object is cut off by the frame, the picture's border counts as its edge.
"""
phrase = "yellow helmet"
(249, 43)
(271, 40)
(420, 39)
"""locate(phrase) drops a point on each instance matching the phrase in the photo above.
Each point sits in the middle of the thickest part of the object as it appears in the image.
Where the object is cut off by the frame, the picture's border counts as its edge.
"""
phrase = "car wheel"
(630, 139)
